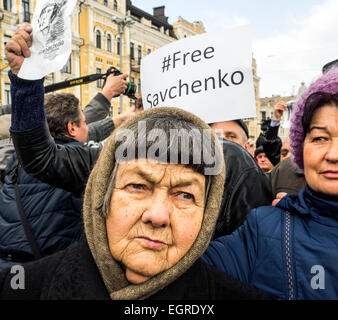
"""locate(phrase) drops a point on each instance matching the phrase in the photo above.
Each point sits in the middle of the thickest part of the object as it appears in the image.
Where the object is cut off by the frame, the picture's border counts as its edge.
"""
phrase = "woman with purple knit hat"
(291, 251)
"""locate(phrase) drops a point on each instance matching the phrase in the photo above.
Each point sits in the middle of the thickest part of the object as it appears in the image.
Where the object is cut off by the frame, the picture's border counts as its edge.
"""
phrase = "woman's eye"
(136, 186)
(186, 196)
(317, 139)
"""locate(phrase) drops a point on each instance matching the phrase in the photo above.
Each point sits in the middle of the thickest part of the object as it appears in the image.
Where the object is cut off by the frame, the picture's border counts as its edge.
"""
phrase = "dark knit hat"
(259, 150)
(243, 126)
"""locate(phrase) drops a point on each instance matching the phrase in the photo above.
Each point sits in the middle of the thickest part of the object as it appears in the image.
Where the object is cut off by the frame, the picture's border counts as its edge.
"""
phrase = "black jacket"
(246, 187)
(72, 275)
(66, 167)
(271, 143)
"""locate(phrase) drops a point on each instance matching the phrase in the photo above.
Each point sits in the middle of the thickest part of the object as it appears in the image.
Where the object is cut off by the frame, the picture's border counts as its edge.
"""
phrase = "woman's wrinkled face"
(155, 216)
(321, 151)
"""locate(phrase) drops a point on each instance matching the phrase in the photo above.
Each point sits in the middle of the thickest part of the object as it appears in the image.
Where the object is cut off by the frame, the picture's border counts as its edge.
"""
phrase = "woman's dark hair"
(315, 101)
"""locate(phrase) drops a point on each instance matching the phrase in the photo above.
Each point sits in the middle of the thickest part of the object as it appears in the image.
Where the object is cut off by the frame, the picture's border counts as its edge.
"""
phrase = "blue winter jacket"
(54, 215)
(289, 251)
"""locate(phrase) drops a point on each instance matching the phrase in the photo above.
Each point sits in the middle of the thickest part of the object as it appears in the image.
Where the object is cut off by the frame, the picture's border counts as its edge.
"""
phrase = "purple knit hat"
(327, 83)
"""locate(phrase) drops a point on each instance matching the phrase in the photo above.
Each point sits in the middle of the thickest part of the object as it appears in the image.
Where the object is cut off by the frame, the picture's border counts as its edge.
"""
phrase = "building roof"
(158, 21)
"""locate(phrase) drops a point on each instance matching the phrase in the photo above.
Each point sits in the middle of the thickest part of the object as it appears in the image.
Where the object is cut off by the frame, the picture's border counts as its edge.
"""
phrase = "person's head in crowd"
(314, 134)
(65, 116)
(139, 104)
(149, 207)
(5, 123)
(329, 66)
(235, 130)
(262, 160)
(285, 150)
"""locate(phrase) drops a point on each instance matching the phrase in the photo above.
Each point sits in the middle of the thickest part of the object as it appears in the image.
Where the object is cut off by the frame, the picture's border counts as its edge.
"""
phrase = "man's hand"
(124, 116)
(250, 146)
(115, 85)
(17, 49)
(279, 197)
(279, 109)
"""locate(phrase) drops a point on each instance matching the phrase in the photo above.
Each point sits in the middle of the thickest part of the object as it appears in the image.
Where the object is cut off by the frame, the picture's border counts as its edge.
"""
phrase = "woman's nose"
(332, 152)
(158, 211)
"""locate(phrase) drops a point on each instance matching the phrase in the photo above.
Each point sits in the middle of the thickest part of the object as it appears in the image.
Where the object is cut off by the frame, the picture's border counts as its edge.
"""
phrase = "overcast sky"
(292, 39)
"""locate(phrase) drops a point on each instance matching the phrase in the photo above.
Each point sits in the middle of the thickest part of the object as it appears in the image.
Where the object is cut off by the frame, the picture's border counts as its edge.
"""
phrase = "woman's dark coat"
(72, 274)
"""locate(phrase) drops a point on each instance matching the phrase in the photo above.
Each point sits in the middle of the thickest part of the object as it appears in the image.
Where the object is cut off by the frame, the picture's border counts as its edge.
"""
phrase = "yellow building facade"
(98, 26)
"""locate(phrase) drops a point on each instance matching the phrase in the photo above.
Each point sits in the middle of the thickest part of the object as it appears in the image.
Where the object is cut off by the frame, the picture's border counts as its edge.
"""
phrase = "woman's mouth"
(330, 174)
(152, 243)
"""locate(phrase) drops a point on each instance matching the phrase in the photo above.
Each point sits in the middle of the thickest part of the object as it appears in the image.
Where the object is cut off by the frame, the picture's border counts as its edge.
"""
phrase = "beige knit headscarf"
(95, 226)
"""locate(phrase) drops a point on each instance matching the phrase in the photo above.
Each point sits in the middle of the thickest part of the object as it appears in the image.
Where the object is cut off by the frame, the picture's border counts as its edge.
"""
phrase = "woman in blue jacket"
(291, 251)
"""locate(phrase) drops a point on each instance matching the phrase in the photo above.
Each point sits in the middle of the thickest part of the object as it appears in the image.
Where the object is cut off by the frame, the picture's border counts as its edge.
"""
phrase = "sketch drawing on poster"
(51, 38)
(52, 27)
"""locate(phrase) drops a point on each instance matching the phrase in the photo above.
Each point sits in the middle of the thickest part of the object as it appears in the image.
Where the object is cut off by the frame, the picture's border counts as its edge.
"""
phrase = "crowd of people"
(115, 210)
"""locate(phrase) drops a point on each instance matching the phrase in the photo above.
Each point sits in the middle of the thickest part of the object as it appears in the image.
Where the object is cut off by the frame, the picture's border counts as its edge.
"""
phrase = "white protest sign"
(288, 116)
(52, 39)
(209, 75)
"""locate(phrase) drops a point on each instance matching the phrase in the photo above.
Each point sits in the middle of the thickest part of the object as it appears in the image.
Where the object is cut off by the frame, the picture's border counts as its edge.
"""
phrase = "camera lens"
(131, 90)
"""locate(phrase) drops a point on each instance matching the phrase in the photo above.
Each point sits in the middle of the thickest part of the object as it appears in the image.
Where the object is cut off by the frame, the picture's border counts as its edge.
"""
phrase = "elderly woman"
(290, 251)
(146, 221)
(150, 207)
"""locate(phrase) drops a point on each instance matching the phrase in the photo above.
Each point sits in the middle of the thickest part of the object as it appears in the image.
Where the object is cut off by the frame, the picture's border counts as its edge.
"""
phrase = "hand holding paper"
(52, 39)
(17, 49)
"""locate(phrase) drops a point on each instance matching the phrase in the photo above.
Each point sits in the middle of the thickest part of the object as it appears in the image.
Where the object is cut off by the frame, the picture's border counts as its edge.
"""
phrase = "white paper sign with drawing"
(209, 75)
(52, 38)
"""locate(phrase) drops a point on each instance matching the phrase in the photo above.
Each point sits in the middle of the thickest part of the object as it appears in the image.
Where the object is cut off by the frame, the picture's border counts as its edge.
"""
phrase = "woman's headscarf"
(95, 225)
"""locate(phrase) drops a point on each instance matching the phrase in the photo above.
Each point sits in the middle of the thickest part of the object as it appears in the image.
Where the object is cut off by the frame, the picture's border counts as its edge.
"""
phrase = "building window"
(105, 2)
(7, 5)
(118, 46)
(263, 115)
(98, 39)
(132, 53)
(7, 94)
(139, 54)
(99, 82)
(109, 42)
(115, 5)
(26, 13)
(68, 66)
(6, 40)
